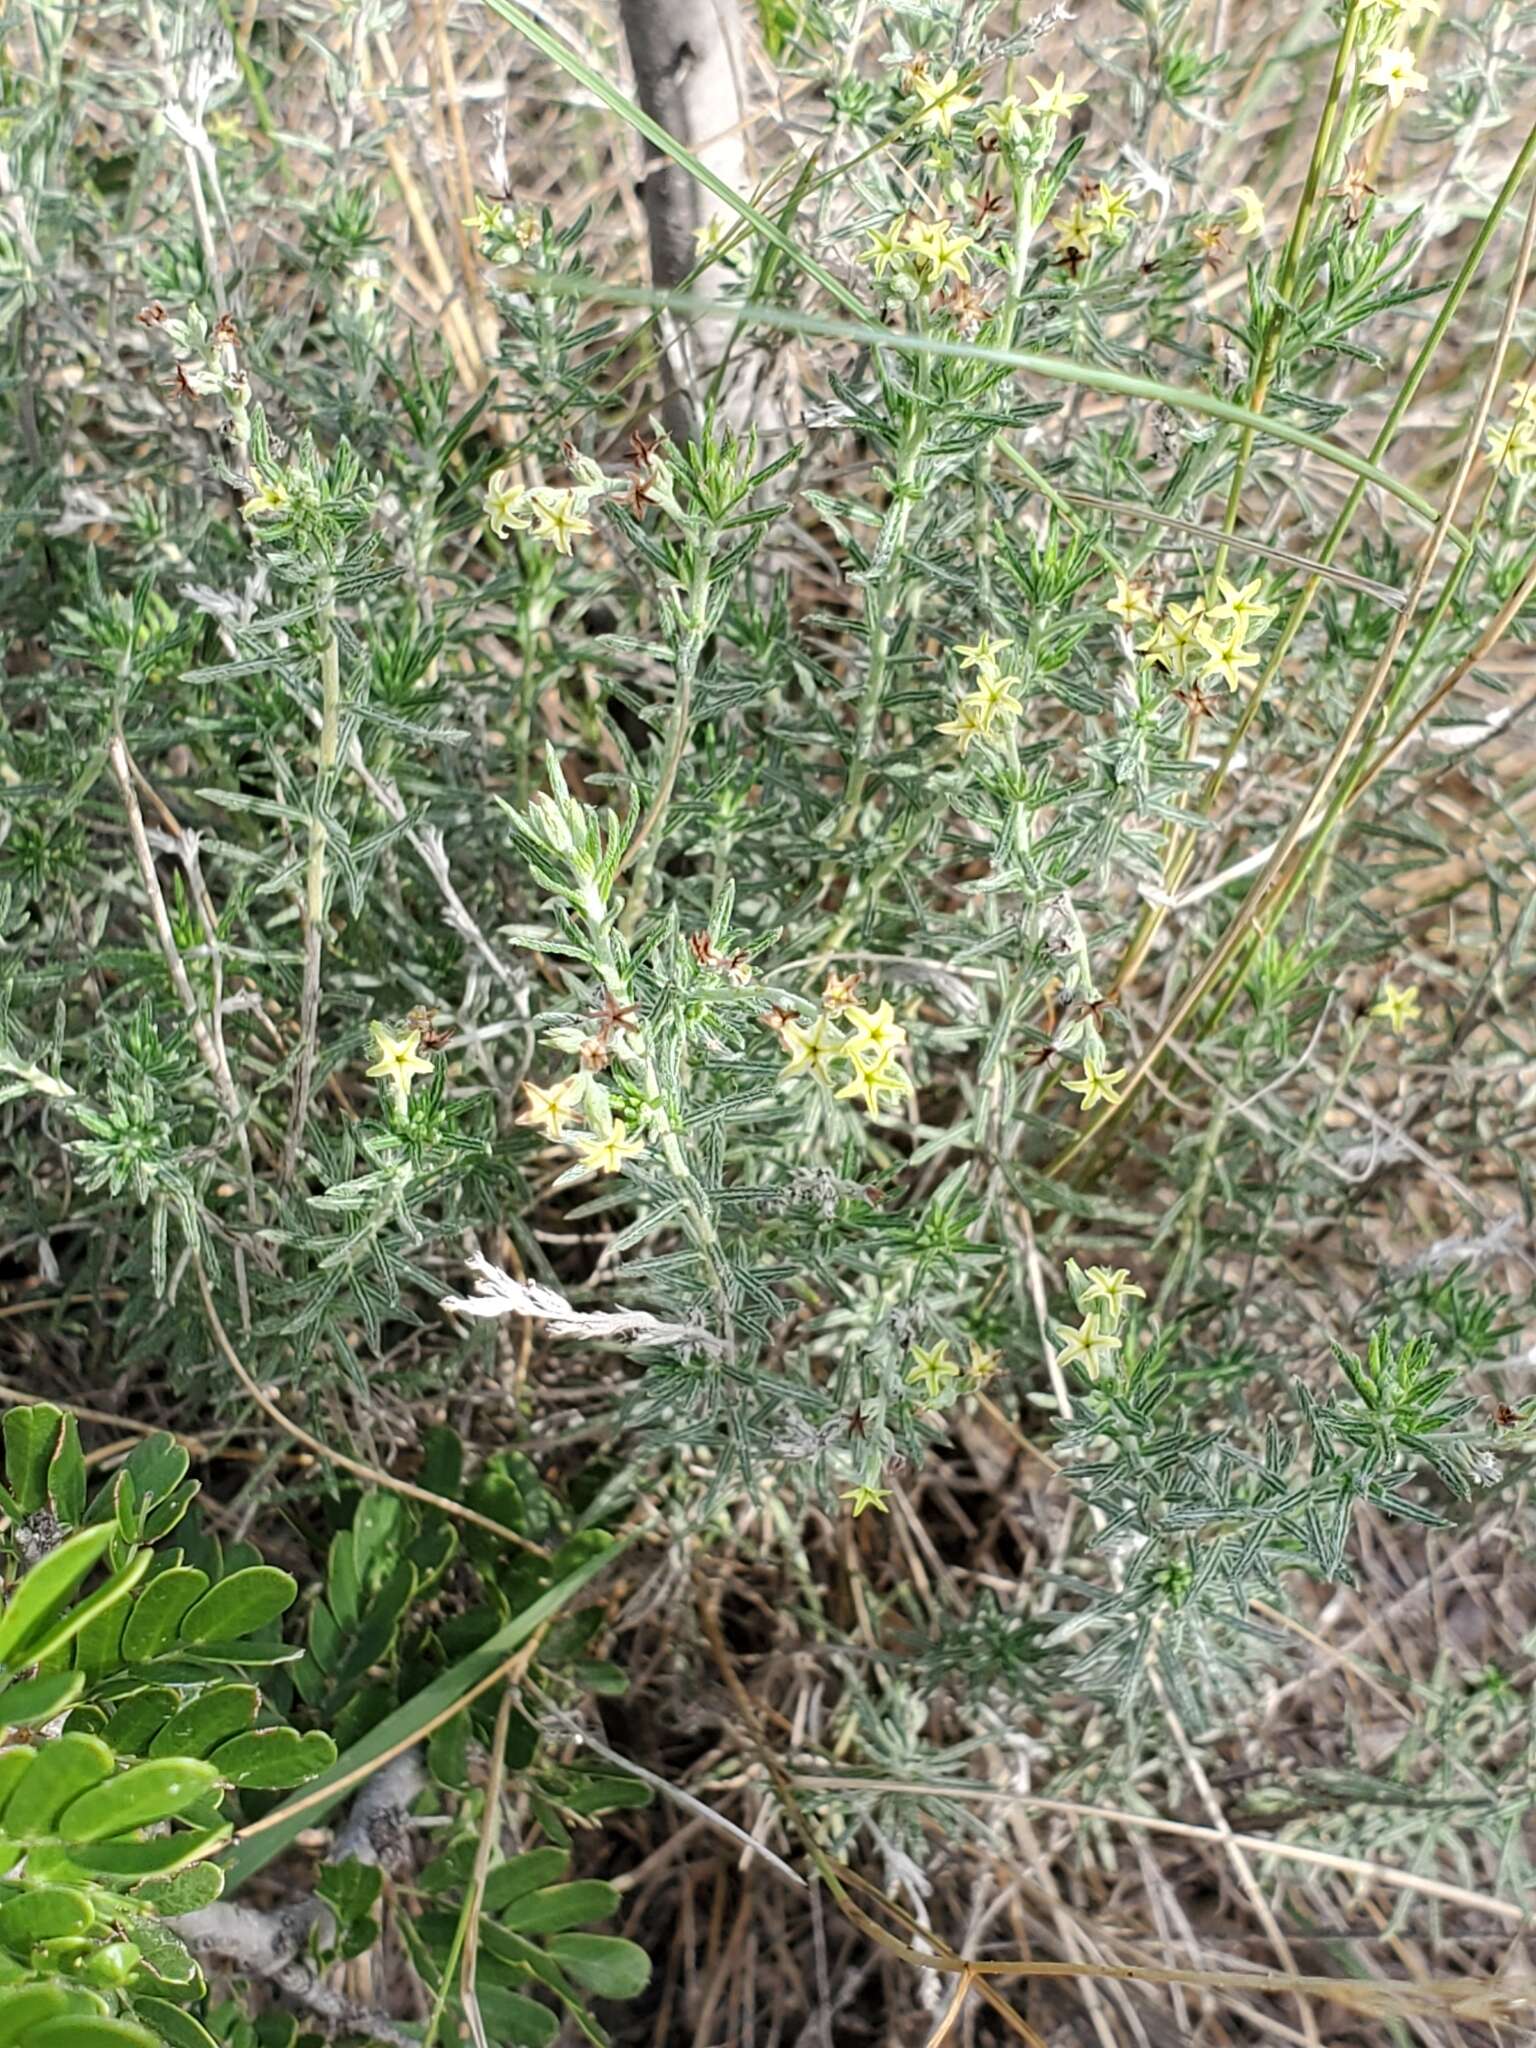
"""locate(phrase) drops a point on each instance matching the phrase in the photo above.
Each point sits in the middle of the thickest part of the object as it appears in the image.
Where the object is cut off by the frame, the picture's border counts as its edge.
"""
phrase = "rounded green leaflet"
(24, 2010)
(605, 1964)
(273, 1759)
(59, 1773)
(49, 1912)
(91, 2033)
(146, 1793)
(245, 1601)
(559, 1906)
(154, 1621)
(36, 1700)
(14, 1762)
(43, 1591)
(206, 1721)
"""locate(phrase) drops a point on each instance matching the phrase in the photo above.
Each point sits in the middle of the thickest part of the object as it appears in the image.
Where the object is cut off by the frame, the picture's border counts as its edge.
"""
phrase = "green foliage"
(1025, 782)
(126, 1738)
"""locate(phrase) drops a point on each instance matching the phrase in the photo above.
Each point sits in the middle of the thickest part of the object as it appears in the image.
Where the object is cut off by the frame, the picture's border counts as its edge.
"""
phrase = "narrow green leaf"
(43, 1591)
(176, 2027)
(30, 1437)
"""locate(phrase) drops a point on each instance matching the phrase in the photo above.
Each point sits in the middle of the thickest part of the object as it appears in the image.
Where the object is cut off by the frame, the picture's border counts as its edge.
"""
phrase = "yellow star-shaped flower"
(1245, 606)
(1227, 661)
(557, 517)
(1132, 602)
(550, 1109)
(876, 1034)
(887, 248)
(1050, 100)
(398, 1062)
(862, 1497)
(1398, 1006)
(934, 1371)
(1512, 444)
(606, 1152)
(938, 251)
(982, 1364)
(1089, 1345)
(812, 1048)
(993, 699)
(983, 654)
(1113, 1286)
(1396, 74)
(506, 503)
(969, 723)
(1251, 219)
(1111, 208)
(869, 1083)
(941, 99)
(1097, 1085)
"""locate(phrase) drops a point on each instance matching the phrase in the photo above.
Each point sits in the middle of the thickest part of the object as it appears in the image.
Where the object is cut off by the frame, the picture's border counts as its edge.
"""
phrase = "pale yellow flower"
(1132, 602)
(606, 1152)
(934, 1371)
(1243, 606)
(1110, 208)
(1089, 1345)
(968, 724)
(1398, 1007)
(862, 1497)
(1394, 71)
(941, 99)
(1097, 1084)
(398, 1062)
(1251, 219)
(550, 1109)
(984, 653)
(812, 1048)
(1113, 1286)
(1052, 101)
(869, 1083)
(993, 699)
(506, 505)
(875, 1033)
(557, 517)
(938, 251)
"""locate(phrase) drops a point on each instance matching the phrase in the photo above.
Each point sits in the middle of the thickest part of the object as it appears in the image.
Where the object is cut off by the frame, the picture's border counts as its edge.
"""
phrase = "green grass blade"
(1060, 369)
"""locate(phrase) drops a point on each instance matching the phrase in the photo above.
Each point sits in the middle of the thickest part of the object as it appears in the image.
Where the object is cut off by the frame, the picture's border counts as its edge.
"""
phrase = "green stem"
(647, 842)
(889, 577)
(326, 754)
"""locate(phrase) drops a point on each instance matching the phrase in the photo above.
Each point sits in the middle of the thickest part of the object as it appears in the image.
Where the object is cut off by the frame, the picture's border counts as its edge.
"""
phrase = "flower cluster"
(557, 515)
(1512, 441)
(868, 1049)
(608, 1143)
(1100, 213)
(1102, 1296)
(990, 706)
(1198, 643)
